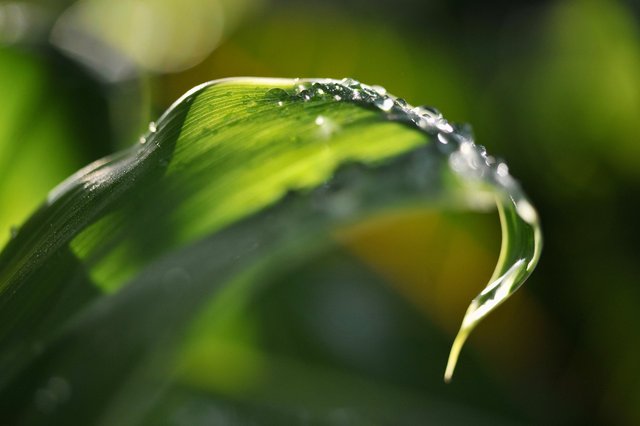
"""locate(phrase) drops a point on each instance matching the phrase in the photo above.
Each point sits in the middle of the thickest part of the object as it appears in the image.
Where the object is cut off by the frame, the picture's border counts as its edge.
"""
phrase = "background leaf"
(43, 126)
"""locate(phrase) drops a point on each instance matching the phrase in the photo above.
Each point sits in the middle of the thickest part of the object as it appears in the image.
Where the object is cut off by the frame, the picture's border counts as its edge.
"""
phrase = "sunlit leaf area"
(250, 212)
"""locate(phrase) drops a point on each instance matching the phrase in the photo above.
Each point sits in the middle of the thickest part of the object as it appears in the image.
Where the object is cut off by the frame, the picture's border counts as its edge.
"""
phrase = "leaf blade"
(226, 153)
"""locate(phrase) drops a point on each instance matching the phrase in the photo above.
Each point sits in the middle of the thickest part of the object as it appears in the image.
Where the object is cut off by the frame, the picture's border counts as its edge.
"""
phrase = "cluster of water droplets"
(469, 160)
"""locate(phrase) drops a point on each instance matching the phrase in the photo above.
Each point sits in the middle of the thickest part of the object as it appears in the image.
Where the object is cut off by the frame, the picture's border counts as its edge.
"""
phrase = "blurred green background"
(553, 87)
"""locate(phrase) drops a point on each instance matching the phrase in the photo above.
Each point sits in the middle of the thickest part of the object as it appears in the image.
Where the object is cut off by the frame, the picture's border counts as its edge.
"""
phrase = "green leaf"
(238, 178)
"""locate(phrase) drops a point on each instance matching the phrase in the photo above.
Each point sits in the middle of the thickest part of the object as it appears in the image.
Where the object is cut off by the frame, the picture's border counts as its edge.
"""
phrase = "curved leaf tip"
(522, 237)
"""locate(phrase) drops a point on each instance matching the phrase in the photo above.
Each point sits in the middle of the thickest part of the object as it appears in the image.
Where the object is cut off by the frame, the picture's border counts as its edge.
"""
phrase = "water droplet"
(444, 126)
(320, 120)
(277, 94)
(152, 127)
(442, 138)
(502, 170)
(384, 103)
(369, 95)
(424, 117)
(379, 90)
(466, 148)
(337, 97)
(526, 211)
(142, 140)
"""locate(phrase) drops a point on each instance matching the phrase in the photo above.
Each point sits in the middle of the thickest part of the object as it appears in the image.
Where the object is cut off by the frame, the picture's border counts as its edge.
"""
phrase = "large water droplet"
(526, 211)
(318, 89)
(277, 94)
(444, 126)
(384, 103)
